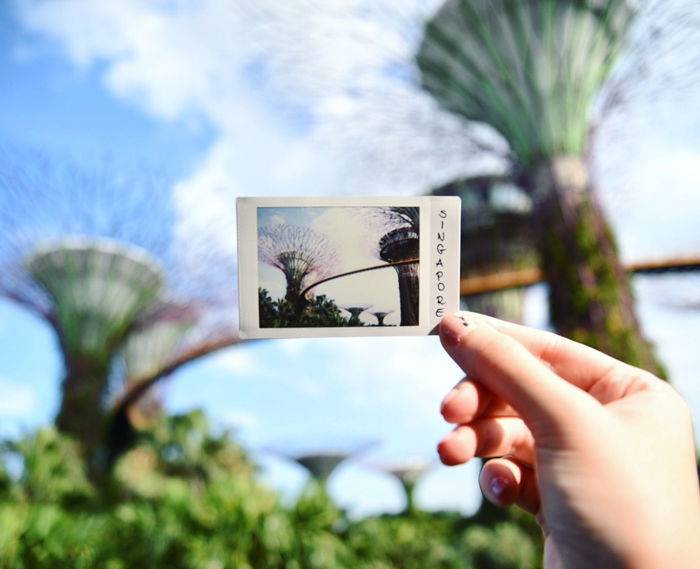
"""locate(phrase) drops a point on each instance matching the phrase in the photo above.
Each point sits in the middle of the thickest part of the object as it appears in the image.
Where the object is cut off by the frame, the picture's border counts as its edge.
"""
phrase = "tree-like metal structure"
(302, 254)
(84, 252)
(400, 242)
(98, 288)
(408, 472)
(380, 315)
(355, 312)
(530, 69)
(497, 235)
(321, 465)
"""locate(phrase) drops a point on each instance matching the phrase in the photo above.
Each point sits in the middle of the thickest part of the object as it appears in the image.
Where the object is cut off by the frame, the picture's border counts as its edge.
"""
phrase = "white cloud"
(252, 70)
(17, 400)
(236, 360)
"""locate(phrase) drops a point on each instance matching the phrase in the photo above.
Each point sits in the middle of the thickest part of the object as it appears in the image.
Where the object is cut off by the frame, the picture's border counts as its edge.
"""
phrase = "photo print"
(346, 266)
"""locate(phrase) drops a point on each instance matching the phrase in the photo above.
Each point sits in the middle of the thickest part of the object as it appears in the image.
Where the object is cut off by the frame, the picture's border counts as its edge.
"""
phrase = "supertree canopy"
(302, 254)
(147, 349)
(321, 465)
(98, 287)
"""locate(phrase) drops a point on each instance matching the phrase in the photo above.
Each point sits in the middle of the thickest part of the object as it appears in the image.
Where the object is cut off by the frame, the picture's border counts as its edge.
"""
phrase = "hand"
(600, 451)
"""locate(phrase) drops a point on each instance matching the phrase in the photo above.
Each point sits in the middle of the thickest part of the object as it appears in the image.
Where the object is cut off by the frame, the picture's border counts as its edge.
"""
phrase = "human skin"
(600, 451)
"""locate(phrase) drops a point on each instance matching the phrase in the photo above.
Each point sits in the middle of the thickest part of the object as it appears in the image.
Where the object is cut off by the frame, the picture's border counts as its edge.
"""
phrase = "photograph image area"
(337, 267)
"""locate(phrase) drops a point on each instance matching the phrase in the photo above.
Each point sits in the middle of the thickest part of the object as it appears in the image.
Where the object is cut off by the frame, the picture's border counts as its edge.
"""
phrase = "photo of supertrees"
(338, 266)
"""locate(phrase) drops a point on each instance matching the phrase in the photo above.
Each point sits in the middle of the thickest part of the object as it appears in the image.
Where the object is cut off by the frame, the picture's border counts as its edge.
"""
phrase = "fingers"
(505, 481)
(468, 400)
(506, 368)
(579, 364)
(492, 436)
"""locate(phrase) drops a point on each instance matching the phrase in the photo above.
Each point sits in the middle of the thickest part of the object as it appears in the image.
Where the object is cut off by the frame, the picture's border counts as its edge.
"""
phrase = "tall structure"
(402, 243)
(381, 315)
(497, 236)
(321, 465)
(302, 254)
(99, 288)
(148, 349)
(90, 253)
(408, 472)
(322, 460)
(355, 312)
(530, 70)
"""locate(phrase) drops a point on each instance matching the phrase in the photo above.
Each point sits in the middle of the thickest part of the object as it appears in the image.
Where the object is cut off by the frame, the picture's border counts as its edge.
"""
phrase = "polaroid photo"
(347, 266)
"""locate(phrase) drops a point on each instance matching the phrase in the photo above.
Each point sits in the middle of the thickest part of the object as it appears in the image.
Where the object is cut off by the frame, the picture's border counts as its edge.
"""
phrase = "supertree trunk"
(402, 244)
(590, 296)
(82, 412)
(408, 294)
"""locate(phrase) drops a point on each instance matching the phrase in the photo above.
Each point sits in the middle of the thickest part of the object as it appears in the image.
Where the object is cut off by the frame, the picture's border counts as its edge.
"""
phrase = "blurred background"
(128, 405)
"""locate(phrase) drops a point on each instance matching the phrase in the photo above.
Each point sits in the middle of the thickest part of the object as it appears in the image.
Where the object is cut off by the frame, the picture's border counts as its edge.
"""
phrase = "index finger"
(508, 369)
(577, 363)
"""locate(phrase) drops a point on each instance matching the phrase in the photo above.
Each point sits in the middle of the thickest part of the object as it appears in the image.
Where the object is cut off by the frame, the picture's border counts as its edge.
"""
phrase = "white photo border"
(439, 269)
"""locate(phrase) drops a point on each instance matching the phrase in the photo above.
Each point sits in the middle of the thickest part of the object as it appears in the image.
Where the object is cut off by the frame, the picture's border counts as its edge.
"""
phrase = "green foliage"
(591, 300)
(187, 498)
(505, 546)
(319, 311)
(51, 470)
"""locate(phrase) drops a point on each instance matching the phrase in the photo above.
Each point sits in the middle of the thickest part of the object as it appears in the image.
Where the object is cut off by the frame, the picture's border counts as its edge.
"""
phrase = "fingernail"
(498, 486)
(453, 328)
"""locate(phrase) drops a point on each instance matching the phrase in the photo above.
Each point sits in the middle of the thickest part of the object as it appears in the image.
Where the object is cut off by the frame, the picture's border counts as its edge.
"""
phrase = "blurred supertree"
(497, 237)
(302, 254)
(92, 253)
(321, 465)
(400, 244)
(408, 472)
(322, 460)
(531, 70)
(98, 288)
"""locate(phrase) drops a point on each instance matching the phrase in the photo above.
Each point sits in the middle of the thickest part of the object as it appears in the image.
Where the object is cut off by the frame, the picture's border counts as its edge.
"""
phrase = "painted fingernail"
(453, 328)
(498, 486)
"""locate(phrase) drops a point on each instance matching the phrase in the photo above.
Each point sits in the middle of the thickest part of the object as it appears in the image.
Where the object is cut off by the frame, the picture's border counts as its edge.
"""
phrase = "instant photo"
(342, 266)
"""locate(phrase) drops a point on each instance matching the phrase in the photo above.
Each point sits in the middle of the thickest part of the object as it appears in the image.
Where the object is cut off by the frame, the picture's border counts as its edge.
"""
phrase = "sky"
(308, 97)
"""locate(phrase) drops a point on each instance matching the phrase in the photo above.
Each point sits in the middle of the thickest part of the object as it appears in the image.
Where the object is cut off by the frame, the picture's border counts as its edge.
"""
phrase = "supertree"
(84, 252)
(321, 465)
(302, 254)
(322, 460)
(380, 315)
(355, 312)
(530, 70)
(401, 243)
(497, 237)
(408, 472)
(98, 288)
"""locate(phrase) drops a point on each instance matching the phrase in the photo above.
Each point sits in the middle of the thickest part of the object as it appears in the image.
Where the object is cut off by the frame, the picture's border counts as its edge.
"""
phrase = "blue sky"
(210, 93)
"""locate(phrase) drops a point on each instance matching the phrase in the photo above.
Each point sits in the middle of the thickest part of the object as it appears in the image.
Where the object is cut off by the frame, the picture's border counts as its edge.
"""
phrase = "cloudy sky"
(312, 97)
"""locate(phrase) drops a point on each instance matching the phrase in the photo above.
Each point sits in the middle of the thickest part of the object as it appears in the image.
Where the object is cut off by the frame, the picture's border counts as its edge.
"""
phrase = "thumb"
(545, 401)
